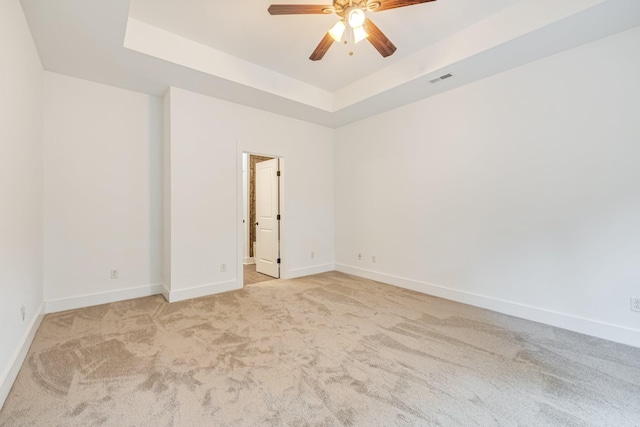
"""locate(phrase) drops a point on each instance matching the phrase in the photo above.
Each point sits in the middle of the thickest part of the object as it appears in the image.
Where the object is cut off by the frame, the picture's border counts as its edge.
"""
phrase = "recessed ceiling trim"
(162, 44)
(525, 17)
(504, 27)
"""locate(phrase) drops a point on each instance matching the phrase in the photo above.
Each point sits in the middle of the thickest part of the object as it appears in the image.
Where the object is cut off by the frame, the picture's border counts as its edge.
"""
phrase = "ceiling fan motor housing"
(342, 6)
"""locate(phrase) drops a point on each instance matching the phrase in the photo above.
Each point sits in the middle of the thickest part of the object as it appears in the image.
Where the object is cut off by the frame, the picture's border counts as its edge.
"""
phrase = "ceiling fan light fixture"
(353, 22)
(337, 31)
(359, 34)
(356, 18)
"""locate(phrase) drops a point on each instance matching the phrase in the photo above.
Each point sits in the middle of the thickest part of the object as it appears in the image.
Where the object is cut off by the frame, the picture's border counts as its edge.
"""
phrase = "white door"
(267, 227)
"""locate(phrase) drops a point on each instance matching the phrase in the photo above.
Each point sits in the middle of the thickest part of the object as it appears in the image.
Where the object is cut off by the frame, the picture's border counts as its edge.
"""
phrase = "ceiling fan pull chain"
(352, 38)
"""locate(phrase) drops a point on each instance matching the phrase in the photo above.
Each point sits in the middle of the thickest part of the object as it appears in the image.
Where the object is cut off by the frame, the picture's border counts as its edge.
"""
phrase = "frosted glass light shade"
(356, 18)
(337, 31)
(359, 34)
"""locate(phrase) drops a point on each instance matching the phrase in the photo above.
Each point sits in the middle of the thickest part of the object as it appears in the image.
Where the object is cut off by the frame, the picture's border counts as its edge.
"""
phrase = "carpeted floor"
(251, 276)
(325, 350)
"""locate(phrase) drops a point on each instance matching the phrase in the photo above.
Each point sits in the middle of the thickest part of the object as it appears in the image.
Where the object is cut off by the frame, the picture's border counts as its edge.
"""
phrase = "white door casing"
(267, 223)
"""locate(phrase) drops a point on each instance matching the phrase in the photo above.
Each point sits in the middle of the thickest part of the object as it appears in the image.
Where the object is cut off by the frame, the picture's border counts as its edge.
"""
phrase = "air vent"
(436, 80)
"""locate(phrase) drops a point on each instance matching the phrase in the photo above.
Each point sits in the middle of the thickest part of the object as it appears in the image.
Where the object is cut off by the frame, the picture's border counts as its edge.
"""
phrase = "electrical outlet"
(223, 267)
(114, 274)
(373, 259)
(635, 304)
(23, 312)
(359, 256)
(313, 255)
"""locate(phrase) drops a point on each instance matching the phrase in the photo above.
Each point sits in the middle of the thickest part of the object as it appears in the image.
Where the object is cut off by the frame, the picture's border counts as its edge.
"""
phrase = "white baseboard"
(307, 271)
(166, 293)
(582, 325)
(16, 361)
(62, 304)
(203, 290)
(249, 260)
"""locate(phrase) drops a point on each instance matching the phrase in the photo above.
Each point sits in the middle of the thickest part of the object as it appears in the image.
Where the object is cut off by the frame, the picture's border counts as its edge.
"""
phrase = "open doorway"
(261, 217)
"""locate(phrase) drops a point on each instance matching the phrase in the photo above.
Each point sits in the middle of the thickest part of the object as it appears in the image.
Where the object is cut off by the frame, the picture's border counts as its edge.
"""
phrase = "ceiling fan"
(352, 17)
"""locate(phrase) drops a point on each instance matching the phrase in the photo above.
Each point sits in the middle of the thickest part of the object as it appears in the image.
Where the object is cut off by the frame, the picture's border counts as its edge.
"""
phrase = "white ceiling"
(284, 43)
(235, 50)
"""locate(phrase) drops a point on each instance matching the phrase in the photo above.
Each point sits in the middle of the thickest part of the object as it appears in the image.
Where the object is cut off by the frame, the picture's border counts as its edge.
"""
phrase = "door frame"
(240, 214)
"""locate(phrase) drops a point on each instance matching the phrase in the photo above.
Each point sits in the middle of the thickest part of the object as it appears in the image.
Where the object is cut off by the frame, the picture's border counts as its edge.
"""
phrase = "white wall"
(102, 193)
(520, 193)
(207, 138)
(20, 190)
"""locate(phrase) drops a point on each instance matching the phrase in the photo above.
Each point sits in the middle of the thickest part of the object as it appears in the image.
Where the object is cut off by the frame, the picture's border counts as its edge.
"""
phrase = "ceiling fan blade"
(392, 4)
(322, 48)
(294, 9)
(378, 39)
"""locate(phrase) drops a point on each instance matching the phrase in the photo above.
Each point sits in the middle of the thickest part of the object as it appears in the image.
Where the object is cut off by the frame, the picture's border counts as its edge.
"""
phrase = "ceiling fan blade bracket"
(373, 5)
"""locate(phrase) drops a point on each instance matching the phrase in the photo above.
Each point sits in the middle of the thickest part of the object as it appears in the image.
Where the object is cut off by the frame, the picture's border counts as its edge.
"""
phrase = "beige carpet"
(251, 276)
(325, 350)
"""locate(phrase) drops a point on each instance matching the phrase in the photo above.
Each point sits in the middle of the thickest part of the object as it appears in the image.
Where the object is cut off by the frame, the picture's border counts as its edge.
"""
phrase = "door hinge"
(278, 174)
(278, 217)
(278, 260)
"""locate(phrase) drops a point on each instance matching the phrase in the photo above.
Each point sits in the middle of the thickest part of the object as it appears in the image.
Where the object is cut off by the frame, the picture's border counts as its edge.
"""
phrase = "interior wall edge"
(20, 354)
(166, 292)
(594, 328)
